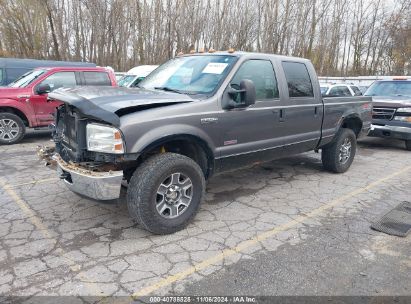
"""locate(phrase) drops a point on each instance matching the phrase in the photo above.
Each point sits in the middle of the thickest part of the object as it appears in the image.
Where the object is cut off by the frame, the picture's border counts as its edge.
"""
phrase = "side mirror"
(43, 89)
(247, 95)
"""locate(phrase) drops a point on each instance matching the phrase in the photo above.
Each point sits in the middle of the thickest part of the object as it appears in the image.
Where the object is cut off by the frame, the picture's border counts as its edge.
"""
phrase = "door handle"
(315, 111)
(282, 115)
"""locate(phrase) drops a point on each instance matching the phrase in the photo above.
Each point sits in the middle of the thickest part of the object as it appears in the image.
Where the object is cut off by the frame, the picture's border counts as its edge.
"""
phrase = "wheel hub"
(345, 151)
(9, 129)
(174, 195)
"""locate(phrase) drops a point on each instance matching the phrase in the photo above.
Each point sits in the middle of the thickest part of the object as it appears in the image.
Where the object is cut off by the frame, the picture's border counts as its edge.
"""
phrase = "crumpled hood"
(391, 101)
(109, 103)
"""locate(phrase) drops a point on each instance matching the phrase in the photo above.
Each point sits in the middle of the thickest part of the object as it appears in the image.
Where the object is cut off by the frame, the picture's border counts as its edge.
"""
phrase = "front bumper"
(387, 131)
(93, 184)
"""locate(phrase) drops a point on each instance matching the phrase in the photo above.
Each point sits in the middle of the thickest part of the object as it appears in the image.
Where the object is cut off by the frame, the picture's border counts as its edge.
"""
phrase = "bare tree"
(341, 37)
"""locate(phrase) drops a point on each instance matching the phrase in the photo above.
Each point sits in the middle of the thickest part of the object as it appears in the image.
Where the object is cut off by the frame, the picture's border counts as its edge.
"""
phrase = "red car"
(25, 103)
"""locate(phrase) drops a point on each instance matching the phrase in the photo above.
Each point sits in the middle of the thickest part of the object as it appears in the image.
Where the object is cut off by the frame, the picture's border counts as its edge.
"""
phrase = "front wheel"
(165, 192)
(408, 145)
(338, 156)
(12, 128)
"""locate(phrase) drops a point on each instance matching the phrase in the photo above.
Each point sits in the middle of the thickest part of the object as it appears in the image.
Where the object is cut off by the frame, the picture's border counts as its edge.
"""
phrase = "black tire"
(7, 136)
(331, 156)
(142, 195)
(408, 145)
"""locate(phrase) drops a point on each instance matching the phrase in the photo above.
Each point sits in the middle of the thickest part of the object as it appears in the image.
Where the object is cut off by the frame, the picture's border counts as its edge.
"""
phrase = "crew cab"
(25, 103)
(195, 116)
(391, 109)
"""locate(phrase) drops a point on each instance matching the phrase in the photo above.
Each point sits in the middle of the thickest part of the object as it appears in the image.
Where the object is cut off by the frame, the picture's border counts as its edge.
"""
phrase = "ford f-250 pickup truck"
(195, 116)
(24, 103)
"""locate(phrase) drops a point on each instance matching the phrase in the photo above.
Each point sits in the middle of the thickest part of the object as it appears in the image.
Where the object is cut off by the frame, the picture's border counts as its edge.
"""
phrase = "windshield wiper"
(168, 89)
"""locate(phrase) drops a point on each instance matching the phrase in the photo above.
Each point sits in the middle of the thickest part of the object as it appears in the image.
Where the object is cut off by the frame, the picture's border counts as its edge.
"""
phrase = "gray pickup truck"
(195, 116)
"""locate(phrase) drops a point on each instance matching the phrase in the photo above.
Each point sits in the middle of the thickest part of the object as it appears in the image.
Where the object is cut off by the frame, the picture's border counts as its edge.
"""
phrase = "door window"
(261, 73)
(60, 79)
(298, 79)
(97, 78)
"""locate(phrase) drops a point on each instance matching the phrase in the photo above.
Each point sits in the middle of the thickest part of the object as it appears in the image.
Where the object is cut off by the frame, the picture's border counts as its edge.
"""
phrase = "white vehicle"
(119, 75)
(339, 89)
(135, 75)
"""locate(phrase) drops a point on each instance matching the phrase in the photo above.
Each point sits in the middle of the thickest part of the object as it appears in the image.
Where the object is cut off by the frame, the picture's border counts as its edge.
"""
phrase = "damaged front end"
(78, 168)
(100, 182)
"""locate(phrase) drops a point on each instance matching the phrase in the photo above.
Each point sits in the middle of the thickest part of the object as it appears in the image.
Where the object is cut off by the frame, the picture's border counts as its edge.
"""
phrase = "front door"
(250, 131)
(42, 106)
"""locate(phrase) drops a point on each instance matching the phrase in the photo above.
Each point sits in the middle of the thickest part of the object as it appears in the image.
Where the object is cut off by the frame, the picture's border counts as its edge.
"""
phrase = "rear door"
(42, 106)
(301, 112)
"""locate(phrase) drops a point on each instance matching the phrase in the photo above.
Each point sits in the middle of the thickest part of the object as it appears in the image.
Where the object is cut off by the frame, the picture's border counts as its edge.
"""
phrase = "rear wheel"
(12, 128)
(338, 156)
(165, 192)
(408, 145)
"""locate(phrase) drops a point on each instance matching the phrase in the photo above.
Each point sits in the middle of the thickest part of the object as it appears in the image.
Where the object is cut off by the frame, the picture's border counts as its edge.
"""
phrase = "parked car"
(13, 68)
(119, 75)
(340, 89)
(24, 103)
(195, 116)
(391, 109)
(133, 77)
(363, 88)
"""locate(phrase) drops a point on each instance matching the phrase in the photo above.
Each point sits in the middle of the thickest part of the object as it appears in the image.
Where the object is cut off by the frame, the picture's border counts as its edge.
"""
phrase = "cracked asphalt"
(281, 228)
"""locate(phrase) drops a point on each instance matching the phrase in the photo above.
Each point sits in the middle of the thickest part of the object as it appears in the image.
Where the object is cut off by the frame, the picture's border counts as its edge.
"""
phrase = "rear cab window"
(298, 79)
(340, 91)
(93, 78)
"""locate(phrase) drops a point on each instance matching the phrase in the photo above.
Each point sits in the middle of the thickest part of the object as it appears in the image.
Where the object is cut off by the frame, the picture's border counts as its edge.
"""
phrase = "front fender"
(20, 107)
(165, 133)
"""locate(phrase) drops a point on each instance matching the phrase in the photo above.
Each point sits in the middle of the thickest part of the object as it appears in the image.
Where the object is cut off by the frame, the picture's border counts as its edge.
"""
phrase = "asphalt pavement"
(282, 228)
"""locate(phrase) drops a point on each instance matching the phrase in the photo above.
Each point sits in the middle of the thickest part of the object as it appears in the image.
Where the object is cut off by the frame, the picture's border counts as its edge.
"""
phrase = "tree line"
(341, 37)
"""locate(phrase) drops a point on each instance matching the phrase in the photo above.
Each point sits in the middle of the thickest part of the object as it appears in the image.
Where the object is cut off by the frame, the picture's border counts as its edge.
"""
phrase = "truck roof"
(73, 68)
(247, 54)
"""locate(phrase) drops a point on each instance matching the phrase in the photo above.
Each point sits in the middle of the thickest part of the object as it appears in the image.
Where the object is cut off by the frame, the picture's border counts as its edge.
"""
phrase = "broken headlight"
(105, 139)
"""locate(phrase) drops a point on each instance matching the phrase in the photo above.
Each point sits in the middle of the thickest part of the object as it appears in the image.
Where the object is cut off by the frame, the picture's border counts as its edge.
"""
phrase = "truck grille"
(383, 113)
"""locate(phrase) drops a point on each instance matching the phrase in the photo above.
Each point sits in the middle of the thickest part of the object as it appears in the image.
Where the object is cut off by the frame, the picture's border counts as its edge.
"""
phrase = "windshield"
(190, 75)
(389, 88)
(126, 80)
(26, 79)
